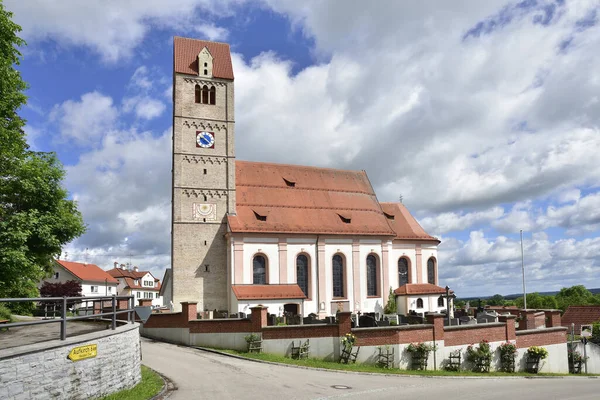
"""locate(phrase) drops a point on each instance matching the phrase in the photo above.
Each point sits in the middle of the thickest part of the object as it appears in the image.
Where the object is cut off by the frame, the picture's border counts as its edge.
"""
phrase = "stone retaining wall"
(43, 371)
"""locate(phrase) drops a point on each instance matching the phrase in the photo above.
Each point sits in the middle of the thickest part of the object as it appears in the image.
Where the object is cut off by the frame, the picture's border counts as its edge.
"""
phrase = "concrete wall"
(43, 371)
(593, 352)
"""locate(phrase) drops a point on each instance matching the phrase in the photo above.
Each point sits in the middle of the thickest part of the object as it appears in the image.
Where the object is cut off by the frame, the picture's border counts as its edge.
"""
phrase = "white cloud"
(87, 120)
(452, 221)
(144, 107)
(112, 28)
(212, 32)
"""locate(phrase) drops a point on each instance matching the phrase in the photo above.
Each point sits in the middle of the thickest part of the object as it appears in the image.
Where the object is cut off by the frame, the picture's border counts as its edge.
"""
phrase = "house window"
(212, 95)
(431, 271)
(302, 273)
(197, 94)
(56, 275)
(440, 301)
(204, 94)
(259, 270)
(157, 295)
(402, 271)
(419, 303)
(94, 289)
(338, 276)
(371, 275)
(138, 295)
(109, 289)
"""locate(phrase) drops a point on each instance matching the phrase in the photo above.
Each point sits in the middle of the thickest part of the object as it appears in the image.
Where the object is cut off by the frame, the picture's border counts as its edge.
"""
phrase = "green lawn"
(317, 363)
(150, 385)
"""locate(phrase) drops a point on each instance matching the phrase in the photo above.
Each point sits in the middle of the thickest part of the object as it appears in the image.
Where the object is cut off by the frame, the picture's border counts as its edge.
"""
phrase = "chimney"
(116, 264)
(123, 266)
(135, 269)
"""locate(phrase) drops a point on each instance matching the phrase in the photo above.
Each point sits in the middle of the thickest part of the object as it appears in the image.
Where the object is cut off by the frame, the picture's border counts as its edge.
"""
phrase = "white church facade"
(292, 238)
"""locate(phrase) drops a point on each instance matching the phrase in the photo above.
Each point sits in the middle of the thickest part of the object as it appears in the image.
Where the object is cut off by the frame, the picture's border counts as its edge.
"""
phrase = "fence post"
(114, 313)
(63, 322)
(132, 312)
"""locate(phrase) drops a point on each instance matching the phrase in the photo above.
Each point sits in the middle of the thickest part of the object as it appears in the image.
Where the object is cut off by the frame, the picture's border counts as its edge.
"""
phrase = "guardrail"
(64, 301)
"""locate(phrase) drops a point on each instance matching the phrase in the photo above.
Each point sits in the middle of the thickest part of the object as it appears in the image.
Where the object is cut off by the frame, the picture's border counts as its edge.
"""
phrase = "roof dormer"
(205, 63)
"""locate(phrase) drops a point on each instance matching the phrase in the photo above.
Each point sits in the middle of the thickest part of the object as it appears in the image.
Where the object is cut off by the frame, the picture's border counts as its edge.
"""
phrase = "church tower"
(203, 172)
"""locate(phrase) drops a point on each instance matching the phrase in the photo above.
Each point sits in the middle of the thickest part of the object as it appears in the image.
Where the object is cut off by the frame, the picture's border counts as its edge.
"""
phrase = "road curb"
(168, 386)
(215, 351)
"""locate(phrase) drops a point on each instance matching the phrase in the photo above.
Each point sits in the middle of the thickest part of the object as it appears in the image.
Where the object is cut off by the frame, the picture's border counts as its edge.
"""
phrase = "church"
(297, 239)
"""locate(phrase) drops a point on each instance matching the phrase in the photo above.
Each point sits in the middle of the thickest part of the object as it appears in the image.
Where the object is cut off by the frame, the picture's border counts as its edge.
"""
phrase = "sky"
(482, 116)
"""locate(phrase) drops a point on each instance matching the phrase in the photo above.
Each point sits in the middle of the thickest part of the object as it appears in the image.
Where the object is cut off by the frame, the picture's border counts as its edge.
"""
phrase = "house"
(580, 315)
(136, 283)
(298, 239)
(94, 280)
(421, 298)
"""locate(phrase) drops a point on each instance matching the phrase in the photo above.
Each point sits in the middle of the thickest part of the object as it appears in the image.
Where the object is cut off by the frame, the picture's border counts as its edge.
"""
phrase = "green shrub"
(5, 313)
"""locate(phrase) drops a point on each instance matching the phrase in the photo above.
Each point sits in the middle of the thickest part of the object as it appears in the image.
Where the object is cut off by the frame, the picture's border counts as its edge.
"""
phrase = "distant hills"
(516, 295)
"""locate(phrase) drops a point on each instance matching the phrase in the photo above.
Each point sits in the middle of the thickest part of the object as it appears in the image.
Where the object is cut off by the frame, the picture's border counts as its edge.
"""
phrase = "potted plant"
(419, 354)
(480, 356)
(508, 352)
(534, 355)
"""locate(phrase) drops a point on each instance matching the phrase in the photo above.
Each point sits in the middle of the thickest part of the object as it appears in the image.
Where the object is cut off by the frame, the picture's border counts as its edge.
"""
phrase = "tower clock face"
(205, 139)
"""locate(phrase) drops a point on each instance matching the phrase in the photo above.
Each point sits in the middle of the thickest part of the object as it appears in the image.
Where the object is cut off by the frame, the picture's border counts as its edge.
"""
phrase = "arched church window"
(338, 276)
(259, 270)
(441, 301)
(371, 275)
(302, 273)
(402, 271)
(431, 271)
(212, 95)
(419, 303)
(204, 94)
(198, 91)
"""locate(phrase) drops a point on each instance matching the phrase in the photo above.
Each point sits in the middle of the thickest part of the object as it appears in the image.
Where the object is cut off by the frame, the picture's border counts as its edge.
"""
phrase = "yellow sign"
(83, 352)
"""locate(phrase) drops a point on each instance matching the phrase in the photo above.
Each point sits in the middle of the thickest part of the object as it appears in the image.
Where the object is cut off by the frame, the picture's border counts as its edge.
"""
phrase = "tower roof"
(185, 54)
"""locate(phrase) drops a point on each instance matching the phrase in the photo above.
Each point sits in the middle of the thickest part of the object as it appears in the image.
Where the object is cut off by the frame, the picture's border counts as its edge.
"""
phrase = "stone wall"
(43, 371)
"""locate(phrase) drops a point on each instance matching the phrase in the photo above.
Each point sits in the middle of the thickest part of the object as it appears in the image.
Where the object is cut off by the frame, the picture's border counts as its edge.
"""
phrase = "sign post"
(83, 352)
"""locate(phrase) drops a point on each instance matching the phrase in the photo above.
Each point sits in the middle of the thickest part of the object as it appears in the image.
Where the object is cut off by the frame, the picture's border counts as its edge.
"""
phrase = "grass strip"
(150, 385)
(318, 363)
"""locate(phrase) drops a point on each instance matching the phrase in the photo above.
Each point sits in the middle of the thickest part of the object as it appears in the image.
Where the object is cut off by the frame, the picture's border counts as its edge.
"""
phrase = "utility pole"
(523, 270)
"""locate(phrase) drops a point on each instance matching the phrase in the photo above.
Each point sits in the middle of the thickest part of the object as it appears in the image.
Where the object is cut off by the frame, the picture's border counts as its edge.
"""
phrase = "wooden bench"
(302, 350)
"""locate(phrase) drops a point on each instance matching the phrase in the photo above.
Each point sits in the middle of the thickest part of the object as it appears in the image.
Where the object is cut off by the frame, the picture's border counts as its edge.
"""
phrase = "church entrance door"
(291, 309)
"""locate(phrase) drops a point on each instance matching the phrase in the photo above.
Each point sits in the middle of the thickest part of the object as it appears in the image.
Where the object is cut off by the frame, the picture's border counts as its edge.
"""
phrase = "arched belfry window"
(211, 95)
(204, 94)
(431, 271)
(198, 95)
(403, 271)
(419, 303)
(259, 270)
(372, 274)
(302, 273)
(441, 301)
(338, 269)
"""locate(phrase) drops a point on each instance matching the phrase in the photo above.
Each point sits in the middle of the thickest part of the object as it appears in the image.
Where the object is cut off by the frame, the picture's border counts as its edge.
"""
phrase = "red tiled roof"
(130, 283)
(300, 199)
(580, 315)
(420, 288)
(267, 292)
(404, 224)
(126, 273)
(87, 272)
(185, 54)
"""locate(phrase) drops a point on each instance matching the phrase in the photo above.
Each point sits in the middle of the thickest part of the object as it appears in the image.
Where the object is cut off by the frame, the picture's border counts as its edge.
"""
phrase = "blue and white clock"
(205, 139)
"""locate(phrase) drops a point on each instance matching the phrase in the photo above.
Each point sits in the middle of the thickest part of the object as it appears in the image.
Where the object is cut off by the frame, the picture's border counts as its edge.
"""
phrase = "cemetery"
(532, 341)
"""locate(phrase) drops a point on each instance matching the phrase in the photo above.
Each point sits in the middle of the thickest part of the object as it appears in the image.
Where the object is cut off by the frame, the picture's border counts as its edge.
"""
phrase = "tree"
(390, 307)
(574, 296)
(538, 301)
(60, 289)
(36, 217)
(495, 300)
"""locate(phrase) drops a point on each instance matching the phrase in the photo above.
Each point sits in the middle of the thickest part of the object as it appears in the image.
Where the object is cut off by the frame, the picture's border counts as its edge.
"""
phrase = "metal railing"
(63, 303)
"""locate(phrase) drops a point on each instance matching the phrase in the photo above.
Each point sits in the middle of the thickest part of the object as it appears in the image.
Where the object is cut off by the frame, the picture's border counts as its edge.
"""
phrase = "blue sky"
(483, 116)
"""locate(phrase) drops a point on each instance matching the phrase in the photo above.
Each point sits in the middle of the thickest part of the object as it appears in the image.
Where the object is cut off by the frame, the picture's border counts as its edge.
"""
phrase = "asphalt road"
(202, 375)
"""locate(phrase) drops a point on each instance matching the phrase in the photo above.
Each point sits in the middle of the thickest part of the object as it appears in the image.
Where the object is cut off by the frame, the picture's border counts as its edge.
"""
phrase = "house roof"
(185, 55)
(267, 292)
(129, 273)
(404, 224)
(419, 288)
(87, 272)
(299, 199)
(130, 283)
(580, 315)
